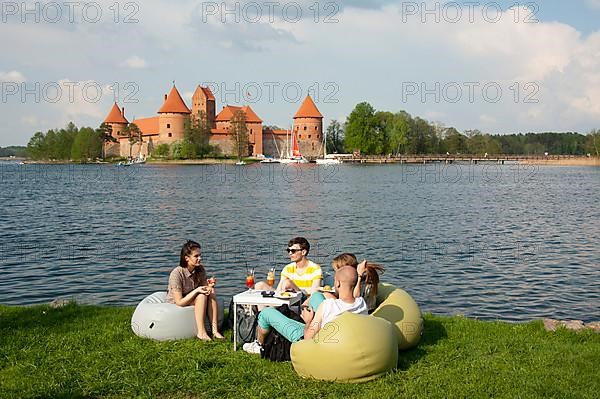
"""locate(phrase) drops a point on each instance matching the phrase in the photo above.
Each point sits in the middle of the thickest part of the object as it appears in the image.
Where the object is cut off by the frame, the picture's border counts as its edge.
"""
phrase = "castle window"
(250, 131)
(299, 136)
(304, 127)
(170, 135)
(309, 136)
(315, 128)
(168, 125)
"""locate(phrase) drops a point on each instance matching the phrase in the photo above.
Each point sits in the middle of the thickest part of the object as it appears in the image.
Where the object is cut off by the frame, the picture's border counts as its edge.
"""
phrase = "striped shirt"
(303, 279)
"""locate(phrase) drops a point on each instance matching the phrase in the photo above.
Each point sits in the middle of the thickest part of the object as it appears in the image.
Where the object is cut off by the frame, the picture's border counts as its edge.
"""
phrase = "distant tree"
(593, 143)
(363, 130)
(13, 151)
(161, 150)
(105, 133)
(87, 145)
(65, 139)
(419, 137)
(133, 134)
(398, 133)
(36, 147)
(240, 134)
(197, 131)
(335, 138)
(454, 142)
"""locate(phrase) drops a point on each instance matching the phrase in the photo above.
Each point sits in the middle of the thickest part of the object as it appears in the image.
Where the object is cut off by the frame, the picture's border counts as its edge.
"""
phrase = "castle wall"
(269, 147)
(135, 148)
(255, 137)
(224, 142)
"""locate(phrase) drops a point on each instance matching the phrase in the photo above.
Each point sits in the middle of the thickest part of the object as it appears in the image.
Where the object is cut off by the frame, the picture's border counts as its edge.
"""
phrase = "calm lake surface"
(491, 241)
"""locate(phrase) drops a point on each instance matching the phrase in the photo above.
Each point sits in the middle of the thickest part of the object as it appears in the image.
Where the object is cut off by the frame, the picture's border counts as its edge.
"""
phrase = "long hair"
(371, 274)
(372, 278)
(187, 250)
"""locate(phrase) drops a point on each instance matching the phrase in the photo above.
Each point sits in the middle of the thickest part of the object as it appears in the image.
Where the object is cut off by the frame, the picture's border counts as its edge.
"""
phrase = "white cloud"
(134, 62)
(12, 76)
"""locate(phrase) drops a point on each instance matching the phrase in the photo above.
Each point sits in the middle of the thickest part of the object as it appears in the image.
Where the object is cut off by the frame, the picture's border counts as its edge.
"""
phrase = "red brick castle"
(168, 127)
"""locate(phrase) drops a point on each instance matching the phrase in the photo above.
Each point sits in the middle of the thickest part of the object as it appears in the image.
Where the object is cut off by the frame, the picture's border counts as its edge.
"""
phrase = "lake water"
(491, 241)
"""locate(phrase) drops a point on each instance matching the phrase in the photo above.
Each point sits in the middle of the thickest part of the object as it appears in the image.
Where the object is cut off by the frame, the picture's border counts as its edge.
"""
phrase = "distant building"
(169, 126)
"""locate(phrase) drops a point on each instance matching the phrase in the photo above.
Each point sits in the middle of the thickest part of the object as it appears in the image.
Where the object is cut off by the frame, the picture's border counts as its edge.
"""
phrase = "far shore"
(539, 161)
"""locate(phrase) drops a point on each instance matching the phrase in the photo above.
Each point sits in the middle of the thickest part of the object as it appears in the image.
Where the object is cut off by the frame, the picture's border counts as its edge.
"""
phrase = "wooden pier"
(472, 159)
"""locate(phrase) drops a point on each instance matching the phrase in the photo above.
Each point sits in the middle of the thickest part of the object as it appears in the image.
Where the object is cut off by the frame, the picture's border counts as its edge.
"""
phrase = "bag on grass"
(276, 347)
(246, 322)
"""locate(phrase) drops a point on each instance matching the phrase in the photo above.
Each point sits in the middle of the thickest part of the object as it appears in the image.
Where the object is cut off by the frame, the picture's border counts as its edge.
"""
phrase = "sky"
(501, 67)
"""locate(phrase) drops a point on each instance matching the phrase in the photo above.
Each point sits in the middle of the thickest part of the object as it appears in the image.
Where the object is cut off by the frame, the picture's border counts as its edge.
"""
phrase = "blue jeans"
(292, 330)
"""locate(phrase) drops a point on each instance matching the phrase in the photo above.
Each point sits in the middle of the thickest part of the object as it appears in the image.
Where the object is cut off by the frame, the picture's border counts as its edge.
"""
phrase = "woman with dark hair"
(368, 277)
(188, 286)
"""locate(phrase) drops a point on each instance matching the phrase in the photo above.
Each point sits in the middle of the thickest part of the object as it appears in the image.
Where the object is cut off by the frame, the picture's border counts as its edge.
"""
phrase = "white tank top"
(332, 308)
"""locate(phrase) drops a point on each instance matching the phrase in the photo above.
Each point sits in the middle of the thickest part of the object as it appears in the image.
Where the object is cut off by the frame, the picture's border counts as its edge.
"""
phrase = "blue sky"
(500, 73)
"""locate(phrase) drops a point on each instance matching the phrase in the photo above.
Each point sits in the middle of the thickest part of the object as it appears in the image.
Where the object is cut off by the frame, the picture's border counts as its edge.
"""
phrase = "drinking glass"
(271, 277)
(250, 279)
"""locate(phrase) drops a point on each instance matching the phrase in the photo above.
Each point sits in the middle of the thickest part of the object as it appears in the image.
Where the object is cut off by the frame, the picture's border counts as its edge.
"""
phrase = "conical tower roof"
(174, 104)
(308, 109)
(115, 115)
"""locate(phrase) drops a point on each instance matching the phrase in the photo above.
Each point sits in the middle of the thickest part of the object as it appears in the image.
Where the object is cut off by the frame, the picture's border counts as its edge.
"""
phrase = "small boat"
(240, 163)
(295, 156)
(327, 159)
(270, 160)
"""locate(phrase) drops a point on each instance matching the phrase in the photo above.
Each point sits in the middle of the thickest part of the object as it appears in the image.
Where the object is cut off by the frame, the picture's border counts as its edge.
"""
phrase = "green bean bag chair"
(400, 309)
(352, 348)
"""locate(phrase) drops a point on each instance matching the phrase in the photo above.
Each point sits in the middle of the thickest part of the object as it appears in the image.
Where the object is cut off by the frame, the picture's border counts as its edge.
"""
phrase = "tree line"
(374, 132)
(86, 144)
(365, 130)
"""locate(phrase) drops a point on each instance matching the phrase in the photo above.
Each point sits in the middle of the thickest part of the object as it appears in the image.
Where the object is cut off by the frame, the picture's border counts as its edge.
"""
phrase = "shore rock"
(574, 325)
(59, 303)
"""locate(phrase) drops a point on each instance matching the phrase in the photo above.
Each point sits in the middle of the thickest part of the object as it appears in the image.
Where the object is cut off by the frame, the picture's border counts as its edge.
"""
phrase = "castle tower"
(308, 127)
(117, 121)
(172, 117)
(203, 100)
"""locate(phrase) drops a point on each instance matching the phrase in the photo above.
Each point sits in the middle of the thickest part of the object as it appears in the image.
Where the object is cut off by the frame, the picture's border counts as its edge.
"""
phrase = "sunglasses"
(293, 250)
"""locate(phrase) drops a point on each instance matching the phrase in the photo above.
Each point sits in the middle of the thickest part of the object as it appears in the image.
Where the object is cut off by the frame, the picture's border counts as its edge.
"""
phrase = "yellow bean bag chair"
(400, 309)
(352, 348)
(358, 348)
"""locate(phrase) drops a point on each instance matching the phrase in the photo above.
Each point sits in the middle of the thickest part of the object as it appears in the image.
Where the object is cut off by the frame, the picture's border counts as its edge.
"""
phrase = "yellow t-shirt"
(305, 280)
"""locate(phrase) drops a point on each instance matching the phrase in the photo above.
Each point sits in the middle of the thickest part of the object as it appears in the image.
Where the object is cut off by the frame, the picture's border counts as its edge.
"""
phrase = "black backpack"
(276, 347)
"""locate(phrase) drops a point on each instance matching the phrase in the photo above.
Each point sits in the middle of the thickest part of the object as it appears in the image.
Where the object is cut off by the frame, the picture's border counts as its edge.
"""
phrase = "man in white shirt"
(326, 311)
(329, 309)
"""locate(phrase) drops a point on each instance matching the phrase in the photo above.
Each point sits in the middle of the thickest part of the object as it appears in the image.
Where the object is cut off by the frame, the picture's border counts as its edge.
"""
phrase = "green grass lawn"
(89, 351)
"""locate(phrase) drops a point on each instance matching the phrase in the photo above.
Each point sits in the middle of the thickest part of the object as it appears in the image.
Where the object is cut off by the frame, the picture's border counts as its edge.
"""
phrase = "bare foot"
(204, 337)
(218, 335)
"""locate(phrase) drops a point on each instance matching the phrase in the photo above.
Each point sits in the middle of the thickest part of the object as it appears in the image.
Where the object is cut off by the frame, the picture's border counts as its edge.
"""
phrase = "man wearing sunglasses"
(301, 274)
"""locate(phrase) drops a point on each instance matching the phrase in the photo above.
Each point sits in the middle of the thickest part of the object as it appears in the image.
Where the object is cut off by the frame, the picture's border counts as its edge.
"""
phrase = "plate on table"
(327, 288)
(285, 295)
